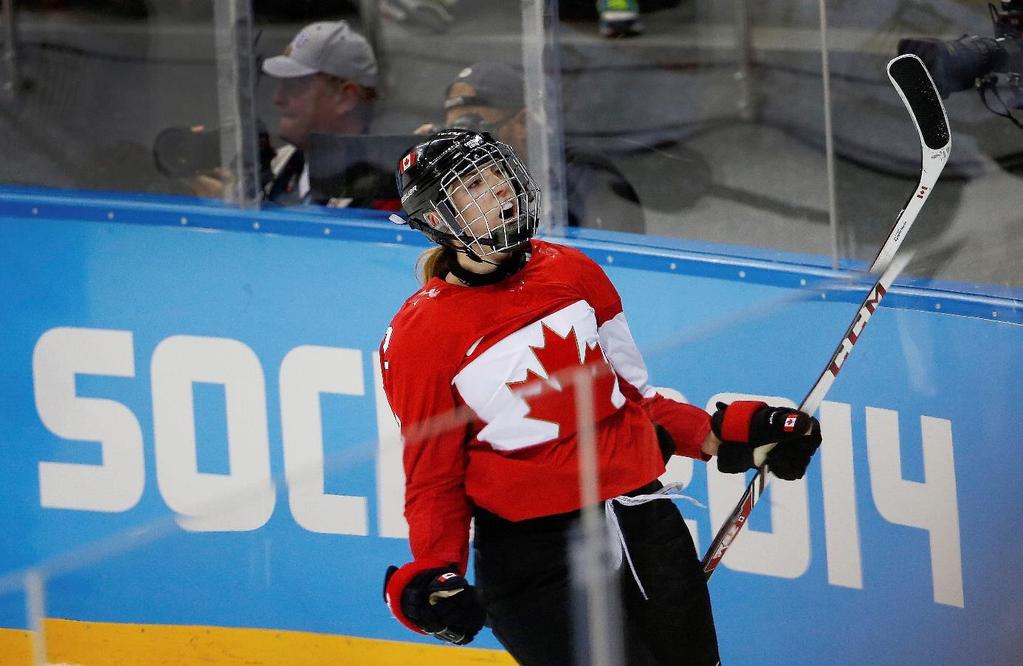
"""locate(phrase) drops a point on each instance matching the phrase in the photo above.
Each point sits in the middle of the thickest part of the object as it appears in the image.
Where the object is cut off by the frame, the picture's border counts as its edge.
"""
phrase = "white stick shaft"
(815, 396)
(932, 163)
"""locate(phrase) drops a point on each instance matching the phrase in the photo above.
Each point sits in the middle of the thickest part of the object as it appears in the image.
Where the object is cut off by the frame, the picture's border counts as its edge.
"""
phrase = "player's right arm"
(430, 593)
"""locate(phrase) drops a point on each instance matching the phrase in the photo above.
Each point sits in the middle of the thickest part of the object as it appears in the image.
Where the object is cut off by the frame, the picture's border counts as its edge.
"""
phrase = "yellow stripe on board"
(107, 644)
(15, 647)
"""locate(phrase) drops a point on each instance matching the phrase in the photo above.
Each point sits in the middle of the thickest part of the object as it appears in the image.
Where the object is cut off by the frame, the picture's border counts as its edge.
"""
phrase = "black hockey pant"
(522, 568)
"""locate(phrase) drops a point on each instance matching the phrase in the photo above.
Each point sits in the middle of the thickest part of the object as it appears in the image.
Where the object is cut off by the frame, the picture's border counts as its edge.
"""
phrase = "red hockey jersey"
(476, 378)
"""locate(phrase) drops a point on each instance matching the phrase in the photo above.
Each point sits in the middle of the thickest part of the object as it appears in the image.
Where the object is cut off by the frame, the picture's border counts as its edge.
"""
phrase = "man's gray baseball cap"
(331, 47)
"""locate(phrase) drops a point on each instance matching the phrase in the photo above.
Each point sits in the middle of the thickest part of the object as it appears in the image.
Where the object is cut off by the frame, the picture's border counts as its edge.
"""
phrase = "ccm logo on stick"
(853, 334)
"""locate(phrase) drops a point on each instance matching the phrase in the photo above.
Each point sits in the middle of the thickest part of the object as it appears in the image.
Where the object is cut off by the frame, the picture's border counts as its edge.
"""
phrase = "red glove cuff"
(400, 580)
(735, 425)
(687, 424)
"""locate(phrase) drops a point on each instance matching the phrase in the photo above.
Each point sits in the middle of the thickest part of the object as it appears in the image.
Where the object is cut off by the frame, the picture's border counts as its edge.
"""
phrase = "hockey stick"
(918, 93)
(737, 519)
(916, 88)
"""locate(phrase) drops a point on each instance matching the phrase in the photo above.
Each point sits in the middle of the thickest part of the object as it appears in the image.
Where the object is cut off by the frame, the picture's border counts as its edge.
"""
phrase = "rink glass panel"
(715, 115)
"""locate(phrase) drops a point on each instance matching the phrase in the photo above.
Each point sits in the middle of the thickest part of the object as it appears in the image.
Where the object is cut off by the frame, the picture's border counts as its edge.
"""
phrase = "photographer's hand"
(210, 184)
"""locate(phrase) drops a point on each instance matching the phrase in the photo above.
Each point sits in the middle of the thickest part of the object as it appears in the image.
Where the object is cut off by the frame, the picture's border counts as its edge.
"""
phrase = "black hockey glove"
(790, 458)
(665, 442)
(745, 424)
(436, 601)
(757, 423)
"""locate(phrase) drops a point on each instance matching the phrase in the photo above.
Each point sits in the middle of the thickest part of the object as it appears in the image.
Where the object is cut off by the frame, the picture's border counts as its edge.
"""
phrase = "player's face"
(485, 201)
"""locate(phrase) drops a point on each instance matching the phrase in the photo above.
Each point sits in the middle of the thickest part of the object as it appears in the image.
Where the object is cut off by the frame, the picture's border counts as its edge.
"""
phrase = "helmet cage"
(500, 203)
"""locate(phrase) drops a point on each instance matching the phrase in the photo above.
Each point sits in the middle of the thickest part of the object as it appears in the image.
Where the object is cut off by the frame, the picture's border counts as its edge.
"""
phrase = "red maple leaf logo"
(553, 399)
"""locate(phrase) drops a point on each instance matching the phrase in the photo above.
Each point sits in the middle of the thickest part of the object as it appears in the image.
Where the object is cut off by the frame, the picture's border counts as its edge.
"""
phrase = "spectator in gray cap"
(327, 80)
(489, 96)
(326, 83)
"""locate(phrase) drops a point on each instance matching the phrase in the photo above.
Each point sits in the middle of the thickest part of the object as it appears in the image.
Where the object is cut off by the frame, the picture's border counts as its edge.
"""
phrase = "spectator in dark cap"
(490, 96)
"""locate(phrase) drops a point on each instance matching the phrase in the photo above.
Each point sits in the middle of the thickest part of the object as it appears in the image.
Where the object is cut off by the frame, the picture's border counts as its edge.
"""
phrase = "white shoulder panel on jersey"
(620, 348)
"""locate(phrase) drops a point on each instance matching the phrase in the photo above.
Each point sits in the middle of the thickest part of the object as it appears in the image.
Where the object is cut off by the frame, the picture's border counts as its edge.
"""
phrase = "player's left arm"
(683, 427)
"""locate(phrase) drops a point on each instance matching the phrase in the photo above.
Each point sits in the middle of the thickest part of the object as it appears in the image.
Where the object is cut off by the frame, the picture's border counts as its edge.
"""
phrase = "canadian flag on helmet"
(407, 161)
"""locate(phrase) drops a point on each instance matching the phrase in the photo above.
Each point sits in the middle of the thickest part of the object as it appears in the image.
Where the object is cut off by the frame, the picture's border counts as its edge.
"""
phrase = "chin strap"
(513, 264)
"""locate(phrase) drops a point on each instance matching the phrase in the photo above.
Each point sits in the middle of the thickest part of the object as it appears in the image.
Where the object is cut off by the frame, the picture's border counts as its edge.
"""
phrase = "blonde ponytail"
(432, 263)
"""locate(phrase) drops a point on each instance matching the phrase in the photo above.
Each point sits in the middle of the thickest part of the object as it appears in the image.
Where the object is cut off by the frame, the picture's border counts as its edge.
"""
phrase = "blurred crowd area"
(713, 112)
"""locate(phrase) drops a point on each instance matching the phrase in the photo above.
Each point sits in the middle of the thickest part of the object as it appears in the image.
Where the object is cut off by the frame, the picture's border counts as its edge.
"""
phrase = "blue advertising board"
(193, 432)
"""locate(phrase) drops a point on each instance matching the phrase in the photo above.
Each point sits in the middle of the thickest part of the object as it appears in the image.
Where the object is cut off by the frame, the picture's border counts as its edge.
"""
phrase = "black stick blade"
(914, 83)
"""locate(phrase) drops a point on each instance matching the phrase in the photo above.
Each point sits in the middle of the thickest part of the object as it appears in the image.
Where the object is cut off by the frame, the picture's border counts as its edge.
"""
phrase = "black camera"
(180, 152)
(959, 64)
(183, 151)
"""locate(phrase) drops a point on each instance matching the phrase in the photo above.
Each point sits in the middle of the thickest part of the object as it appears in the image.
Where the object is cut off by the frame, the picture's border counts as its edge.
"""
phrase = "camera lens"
(183, 151)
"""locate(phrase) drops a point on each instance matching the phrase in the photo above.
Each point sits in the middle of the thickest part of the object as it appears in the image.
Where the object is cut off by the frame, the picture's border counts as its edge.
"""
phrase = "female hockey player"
(500, 320)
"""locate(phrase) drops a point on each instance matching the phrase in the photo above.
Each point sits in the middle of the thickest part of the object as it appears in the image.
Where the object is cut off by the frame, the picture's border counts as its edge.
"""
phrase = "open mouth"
(508, 212)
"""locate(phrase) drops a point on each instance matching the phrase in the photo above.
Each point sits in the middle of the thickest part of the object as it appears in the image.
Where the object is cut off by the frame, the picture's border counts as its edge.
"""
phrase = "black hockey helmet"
(499, 204)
